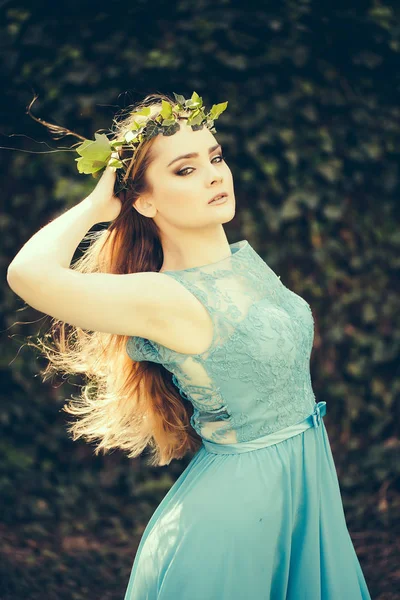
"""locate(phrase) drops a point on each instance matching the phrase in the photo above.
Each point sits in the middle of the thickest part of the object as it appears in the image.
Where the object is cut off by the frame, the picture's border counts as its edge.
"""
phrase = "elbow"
(14, 277)
(11, 276)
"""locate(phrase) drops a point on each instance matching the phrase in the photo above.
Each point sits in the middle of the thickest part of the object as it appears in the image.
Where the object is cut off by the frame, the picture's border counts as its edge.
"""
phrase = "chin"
(228, 217)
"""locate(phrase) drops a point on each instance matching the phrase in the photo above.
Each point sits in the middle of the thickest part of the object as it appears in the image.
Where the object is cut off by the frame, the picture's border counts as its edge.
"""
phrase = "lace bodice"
(254, 378)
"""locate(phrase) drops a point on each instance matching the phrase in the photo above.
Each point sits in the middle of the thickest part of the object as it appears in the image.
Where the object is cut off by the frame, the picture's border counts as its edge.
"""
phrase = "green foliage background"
(312, 135)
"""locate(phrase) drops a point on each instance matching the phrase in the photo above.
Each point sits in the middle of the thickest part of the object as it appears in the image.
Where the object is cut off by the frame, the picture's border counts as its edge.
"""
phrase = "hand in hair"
(102, 197)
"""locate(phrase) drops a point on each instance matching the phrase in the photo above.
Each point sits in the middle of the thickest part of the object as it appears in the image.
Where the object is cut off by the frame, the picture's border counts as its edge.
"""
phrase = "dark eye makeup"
(182, 171)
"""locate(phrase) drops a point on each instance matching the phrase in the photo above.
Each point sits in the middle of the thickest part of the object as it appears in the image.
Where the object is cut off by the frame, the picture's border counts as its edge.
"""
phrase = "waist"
(313, 420)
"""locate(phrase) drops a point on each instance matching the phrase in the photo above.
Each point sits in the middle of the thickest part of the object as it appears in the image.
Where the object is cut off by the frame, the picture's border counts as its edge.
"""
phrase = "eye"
(182, 171)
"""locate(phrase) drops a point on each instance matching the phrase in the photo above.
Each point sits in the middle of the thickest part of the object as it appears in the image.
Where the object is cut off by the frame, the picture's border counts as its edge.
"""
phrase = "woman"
(217, 361)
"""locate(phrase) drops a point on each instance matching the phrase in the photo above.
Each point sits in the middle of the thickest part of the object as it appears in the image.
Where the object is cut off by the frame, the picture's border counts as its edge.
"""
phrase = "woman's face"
(182, 187)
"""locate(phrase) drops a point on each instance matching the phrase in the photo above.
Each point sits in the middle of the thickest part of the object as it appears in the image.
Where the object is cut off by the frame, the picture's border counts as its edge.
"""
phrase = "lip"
(219, 194)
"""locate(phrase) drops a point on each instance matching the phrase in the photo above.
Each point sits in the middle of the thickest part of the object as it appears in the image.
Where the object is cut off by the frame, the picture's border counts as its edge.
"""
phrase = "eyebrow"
(194, 154)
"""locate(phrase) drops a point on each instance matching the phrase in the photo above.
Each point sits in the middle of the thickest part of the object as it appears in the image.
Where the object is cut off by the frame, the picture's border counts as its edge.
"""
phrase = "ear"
(144, 205)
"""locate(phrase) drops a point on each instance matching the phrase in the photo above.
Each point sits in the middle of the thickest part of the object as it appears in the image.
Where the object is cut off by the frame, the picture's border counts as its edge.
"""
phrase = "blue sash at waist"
(313, 420)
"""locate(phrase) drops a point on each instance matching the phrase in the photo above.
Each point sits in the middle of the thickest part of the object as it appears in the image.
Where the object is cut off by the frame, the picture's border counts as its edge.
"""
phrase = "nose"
(216, 176)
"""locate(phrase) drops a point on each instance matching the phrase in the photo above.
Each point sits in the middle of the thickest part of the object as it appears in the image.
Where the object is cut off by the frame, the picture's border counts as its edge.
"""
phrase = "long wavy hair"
(124, 404)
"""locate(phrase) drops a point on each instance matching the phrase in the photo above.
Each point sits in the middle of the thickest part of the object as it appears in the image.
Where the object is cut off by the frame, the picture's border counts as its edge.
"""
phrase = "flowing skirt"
(260, 520)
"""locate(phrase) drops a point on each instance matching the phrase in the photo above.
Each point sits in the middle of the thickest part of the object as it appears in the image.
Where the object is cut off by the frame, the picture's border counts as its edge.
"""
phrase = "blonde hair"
(124, 404)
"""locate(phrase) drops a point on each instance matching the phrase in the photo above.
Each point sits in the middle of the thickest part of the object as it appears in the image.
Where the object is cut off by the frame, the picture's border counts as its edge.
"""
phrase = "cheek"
(227, 173)
(184, 193)
(180, 199)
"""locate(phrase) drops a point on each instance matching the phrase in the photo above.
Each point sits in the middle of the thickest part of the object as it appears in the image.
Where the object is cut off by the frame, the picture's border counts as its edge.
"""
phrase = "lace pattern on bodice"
(254, 377)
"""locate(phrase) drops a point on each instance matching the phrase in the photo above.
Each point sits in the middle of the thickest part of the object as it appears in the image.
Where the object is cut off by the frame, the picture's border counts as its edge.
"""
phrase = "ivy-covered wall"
(312, 136)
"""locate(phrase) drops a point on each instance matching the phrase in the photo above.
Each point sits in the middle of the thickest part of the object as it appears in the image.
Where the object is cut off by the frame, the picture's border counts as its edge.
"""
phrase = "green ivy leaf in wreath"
(94, 155)
(97, 154)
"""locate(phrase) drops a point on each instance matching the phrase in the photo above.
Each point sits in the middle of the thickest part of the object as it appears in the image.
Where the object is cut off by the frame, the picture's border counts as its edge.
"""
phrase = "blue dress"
(257, 514)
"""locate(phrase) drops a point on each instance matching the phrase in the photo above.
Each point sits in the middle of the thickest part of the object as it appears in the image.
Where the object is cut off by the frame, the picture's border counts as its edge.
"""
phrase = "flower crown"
(96, 155)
